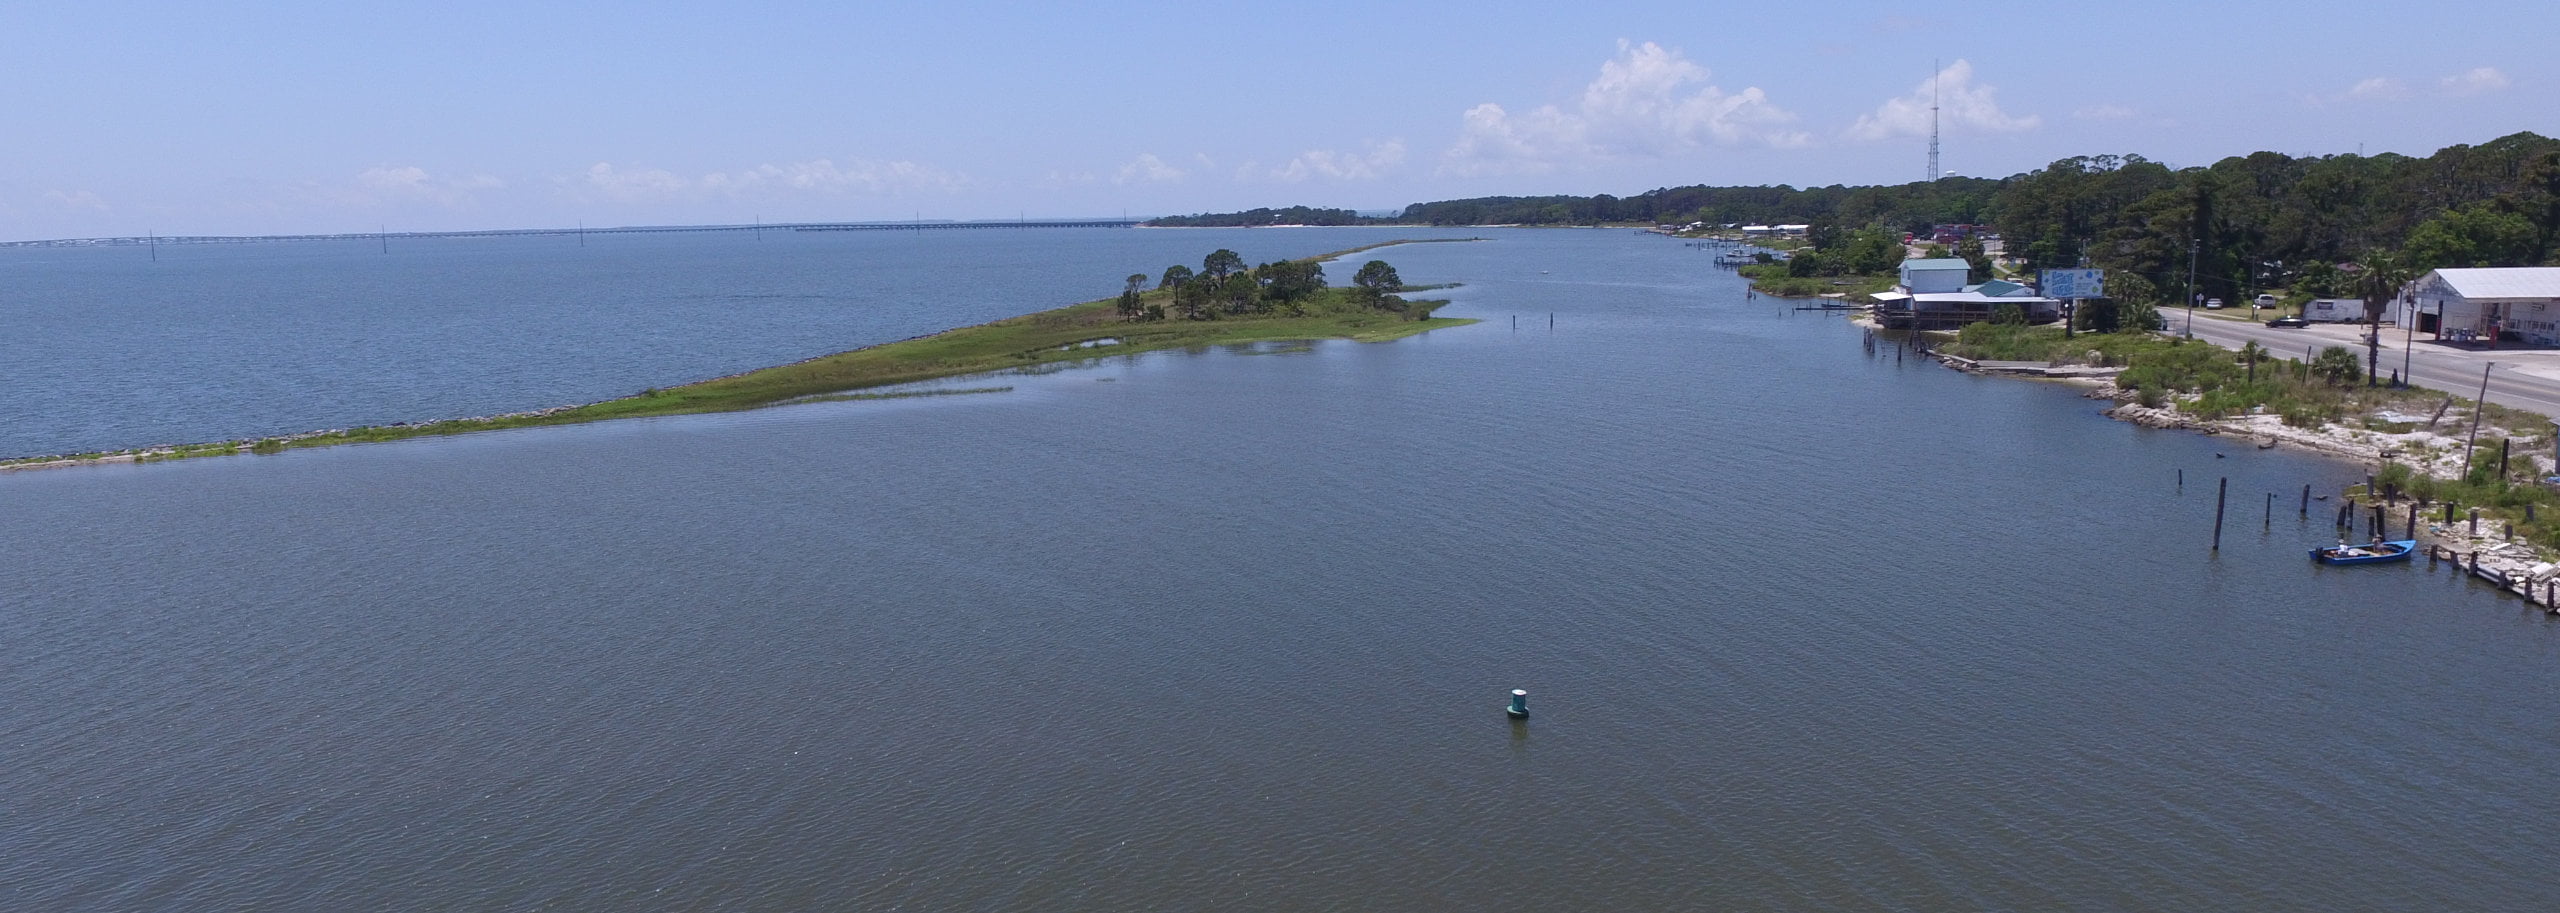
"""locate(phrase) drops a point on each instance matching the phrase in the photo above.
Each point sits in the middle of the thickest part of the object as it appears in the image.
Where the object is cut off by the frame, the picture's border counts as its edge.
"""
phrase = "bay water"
(1806, 625)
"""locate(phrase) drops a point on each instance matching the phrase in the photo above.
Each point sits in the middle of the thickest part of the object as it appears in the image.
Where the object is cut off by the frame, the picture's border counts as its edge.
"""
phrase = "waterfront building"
(2513, 304)
(1941, 274)
(1933, 295)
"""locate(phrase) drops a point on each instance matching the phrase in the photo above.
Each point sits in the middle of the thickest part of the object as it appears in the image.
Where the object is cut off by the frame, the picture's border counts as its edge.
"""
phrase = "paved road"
(2527, 379)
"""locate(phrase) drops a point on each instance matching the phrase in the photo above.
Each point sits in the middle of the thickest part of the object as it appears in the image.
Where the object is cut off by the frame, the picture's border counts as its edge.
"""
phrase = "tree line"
(1900, 208)
(2265, 220)
(2269, 220)
(1291, 215)
(1224, 287)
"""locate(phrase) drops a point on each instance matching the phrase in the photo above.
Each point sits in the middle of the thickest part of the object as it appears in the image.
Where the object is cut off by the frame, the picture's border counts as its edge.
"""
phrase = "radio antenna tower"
(1933, 121)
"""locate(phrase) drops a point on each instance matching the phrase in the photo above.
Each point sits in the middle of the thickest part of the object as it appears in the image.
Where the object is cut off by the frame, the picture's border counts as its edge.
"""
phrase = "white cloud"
(629, 185)
(2475, 81)
(1960, 102)
(409, 184)
(2378, 88)
(387, 178)
(1342, 166)
(1148, 169)
(824, 176)
(76, 200)
(1648, 102)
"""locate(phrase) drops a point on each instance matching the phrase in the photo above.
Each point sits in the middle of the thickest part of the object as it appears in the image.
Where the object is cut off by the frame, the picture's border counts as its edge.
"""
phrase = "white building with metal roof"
(1934, 296)
(2518, 304)
(1941, 274)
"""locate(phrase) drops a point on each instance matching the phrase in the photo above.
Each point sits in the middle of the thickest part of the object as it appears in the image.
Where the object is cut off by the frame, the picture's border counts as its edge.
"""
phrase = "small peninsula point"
(1224, 303)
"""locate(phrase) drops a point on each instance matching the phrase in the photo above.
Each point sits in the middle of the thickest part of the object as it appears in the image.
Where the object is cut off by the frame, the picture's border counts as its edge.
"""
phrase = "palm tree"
(2379, 277)
(2251, 353)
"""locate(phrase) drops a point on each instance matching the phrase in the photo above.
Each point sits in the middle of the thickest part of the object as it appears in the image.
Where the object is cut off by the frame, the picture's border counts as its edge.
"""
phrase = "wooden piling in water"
(2413, 522)
(2306, 501)
(2271, 510)
(2475, 521)
(2219, 494)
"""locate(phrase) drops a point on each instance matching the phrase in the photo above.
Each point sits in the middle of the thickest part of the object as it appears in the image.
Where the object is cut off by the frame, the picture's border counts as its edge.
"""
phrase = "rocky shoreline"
(2517, 567)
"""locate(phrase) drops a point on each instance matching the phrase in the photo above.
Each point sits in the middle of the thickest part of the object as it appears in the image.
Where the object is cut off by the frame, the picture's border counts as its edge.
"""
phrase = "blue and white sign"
(2074, 283)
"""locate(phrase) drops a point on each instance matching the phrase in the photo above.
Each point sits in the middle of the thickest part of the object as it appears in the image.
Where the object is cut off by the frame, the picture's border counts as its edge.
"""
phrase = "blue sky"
(215, 118)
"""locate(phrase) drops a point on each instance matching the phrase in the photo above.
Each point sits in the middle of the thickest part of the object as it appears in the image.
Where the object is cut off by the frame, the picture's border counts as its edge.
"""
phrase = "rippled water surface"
(1806, 628)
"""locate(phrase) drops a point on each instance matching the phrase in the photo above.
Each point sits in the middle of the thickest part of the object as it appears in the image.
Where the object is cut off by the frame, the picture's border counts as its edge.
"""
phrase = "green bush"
(2338, 365)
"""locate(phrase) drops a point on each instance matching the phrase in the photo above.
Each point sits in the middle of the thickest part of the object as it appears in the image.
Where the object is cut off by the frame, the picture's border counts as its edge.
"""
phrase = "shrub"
(2337, 365)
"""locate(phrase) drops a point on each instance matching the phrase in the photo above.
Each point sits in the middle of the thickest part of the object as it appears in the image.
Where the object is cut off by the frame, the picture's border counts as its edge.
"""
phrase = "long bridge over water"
(387, 236)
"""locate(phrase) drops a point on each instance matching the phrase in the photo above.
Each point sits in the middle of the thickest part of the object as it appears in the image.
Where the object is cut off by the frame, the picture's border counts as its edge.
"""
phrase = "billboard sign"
(2074, 283)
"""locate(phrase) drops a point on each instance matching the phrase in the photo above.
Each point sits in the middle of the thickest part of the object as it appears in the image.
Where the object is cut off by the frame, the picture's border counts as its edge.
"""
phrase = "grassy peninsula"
(1223, 303)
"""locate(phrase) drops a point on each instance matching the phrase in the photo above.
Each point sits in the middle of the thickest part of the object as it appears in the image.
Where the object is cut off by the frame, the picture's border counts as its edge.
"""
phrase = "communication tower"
(1933, 121)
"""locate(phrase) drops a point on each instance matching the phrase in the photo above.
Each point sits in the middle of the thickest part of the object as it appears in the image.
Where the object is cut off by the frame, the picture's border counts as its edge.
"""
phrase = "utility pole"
(2193, 245)
(2476, 409)
(2408, 334)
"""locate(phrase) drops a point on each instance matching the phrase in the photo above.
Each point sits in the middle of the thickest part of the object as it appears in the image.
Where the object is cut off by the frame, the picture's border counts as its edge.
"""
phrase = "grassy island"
(1223, 303)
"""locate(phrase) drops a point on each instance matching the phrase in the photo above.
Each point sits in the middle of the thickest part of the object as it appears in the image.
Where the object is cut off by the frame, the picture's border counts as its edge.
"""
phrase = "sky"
(124, 118)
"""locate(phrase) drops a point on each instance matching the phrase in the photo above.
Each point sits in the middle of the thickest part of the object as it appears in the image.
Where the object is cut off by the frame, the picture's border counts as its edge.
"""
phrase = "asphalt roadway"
(2525, 378)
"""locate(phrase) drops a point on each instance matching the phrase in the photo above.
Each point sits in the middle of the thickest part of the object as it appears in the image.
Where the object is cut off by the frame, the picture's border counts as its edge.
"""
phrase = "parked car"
(2213, 304)
(2265, 301)
(2289, 322)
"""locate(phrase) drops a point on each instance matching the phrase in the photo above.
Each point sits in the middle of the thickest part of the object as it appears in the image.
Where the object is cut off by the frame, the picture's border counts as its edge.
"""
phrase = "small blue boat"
(2394, 550)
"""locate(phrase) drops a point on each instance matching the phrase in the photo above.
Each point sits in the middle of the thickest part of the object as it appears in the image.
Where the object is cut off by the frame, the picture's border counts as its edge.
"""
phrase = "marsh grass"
(900, 394)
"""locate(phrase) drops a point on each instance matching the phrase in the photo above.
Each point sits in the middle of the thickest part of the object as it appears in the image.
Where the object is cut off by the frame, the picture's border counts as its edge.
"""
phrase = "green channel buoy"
(1519, 709)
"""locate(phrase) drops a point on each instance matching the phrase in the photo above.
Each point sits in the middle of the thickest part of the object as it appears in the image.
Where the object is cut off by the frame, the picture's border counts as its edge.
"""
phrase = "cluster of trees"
(1293, 215)
(2266, 220)
(1838, 252)
(1224, 287)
